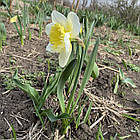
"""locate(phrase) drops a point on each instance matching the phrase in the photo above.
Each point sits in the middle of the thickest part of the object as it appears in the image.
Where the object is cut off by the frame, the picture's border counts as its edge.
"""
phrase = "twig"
(106, 67)
(5, 69)
(21, 57)
(10, 128)
(95, 123)
(56, 134)
(19, 117)
(16, 119)
(32, 130)
(37, 135)
(61, 137)
(6, 92)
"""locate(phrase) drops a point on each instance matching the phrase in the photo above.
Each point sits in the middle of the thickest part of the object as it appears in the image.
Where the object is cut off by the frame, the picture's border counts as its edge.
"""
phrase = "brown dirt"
(16, 108)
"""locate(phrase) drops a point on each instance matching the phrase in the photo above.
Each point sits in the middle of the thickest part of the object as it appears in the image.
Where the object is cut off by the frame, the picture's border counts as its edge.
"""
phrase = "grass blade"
(99, 134)
(14, 132)
(38, 114)
(130, 117)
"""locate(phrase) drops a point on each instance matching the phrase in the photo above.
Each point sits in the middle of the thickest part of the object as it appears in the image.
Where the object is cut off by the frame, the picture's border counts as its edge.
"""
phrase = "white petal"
(65, 53)
(67, 41)
(64, 57)
(48, 28)
(53, 49)
(49, 47)
(59, 18)
(74, 20)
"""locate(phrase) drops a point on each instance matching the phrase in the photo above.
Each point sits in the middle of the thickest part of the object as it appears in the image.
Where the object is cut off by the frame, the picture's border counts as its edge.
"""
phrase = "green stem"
(0, 44)
(30, 34)
(64, 126)
(22, 40)
(40, 31)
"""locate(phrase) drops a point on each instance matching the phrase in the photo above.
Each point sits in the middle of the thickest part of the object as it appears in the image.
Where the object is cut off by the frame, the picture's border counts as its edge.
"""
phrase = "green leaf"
(63, 78)
(52, 117)
(86, 26)
(130, 51)
(88, 72)
(26, 88)
(124, 63)
(121, 74)
(2, 31)
(116, 84)
(20, 25)
(90, 65)
(47, 90)
(114, 138)
(89, 35)
(2, 34)
(77, 71)
(0, 45)
(87, 113)
(129, 81)
(95, 72)
(38, 114)
(80, 108)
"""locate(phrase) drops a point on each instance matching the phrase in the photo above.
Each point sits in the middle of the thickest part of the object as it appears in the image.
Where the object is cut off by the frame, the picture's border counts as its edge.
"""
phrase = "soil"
(16, 108)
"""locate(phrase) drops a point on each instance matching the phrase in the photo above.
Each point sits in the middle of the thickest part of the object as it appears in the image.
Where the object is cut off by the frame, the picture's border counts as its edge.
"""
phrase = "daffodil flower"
(61, 31)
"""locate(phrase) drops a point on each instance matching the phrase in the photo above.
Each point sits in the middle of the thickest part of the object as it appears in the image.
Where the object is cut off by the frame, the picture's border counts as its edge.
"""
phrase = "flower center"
(57, 35)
